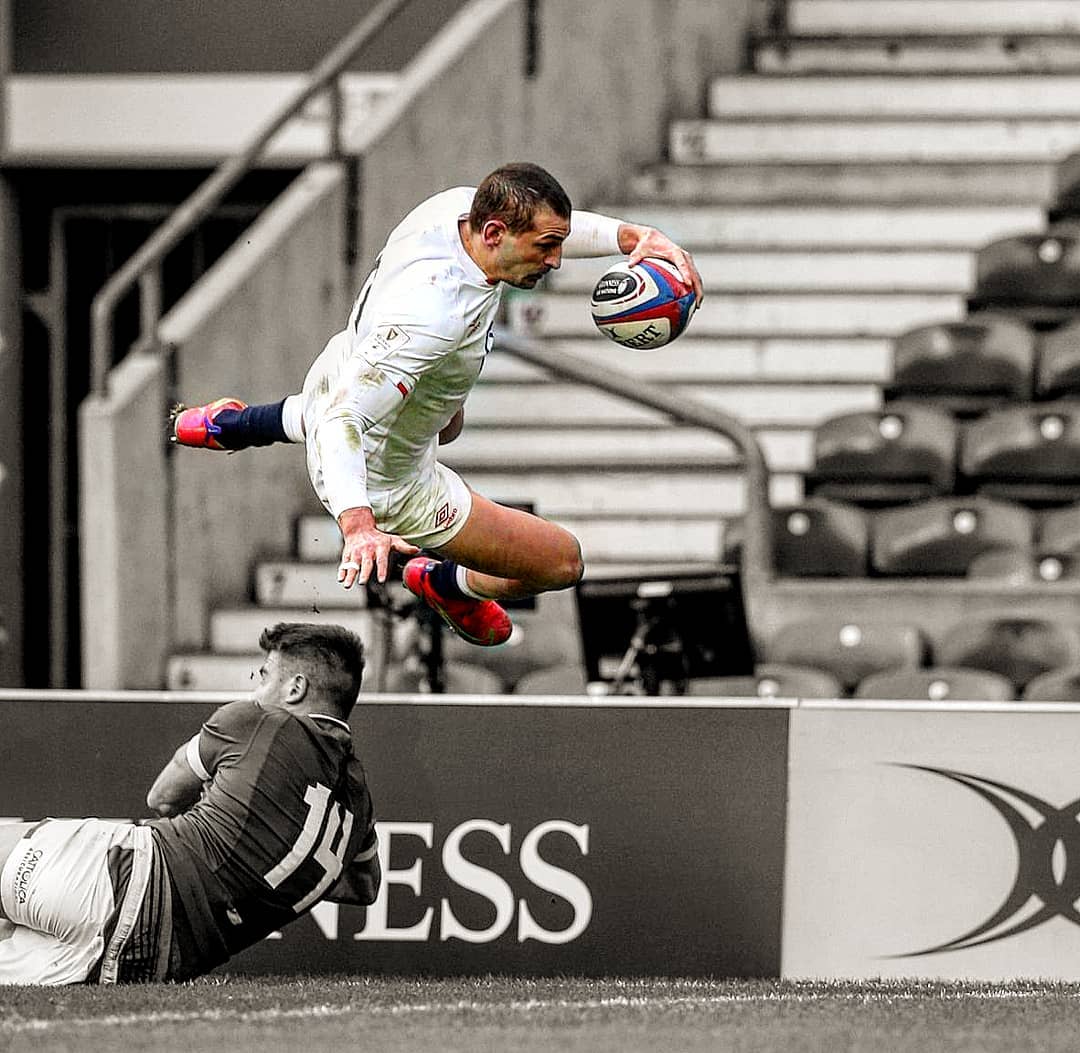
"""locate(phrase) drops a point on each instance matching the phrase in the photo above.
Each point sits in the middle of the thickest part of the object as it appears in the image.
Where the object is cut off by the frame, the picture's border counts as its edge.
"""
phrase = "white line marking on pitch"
(526, 1006)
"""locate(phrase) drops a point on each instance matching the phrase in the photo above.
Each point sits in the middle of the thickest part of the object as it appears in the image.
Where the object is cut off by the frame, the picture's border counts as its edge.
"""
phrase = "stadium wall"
(677, 837)
(589, 96)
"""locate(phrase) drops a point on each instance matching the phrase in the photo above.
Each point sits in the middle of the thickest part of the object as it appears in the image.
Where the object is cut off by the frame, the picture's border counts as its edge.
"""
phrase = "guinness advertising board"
(529, 839)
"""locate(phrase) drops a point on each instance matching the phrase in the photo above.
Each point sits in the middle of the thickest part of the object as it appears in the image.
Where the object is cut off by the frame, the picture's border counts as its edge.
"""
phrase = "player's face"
(273, 681)
(523, 259)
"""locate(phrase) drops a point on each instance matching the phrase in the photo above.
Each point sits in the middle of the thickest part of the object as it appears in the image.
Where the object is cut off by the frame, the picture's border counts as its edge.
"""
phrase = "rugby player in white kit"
(391, 385)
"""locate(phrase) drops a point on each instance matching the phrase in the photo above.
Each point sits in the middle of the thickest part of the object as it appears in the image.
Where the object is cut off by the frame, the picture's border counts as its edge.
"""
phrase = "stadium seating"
(905, 452)
(943, 536)
(1019, 648)
(1057, 685)
(937, 684)
(821, 538)
(811, 539)
(1011, 566)
(1027, 453)
(849, 650)
(770, 681)
(1057, 370)
(1059, 531)
(965, 367)
(1035, 275)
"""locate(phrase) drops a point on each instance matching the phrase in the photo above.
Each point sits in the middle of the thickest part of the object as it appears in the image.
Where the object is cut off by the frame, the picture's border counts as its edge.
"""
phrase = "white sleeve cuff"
(592, 234)
(195, 760)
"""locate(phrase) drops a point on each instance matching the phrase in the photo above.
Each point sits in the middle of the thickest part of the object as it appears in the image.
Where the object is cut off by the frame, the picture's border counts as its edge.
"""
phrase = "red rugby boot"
(481, 622)
(195, 426)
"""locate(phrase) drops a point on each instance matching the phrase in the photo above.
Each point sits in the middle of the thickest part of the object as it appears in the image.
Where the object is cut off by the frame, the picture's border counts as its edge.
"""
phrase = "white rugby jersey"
(377, 397)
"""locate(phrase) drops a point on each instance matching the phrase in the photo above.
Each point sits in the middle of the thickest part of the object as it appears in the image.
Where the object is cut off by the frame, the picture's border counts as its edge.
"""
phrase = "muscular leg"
(10, 836)
(512, 554)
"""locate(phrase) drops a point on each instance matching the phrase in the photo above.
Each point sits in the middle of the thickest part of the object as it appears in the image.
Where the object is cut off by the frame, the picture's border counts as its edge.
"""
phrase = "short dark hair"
(332, 657)
(514, 193)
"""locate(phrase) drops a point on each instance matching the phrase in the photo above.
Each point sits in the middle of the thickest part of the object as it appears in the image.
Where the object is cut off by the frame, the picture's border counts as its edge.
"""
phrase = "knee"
(567, 571)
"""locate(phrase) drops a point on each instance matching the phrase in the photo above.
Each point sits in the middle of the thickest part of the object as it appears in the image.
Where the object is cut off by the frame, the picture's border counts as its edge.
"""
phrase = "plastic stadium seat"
(879, 457)
(1036, 275)
(1059, 531)
(1025, 453)
(849, 650)
(556, 680)
(944, 536)
(816, 538)
(821, 538)
(1018, 648)
(936, 684)
(1058, 685)
(771, 681)
(1057, 372)
(1017, 567)
(965, 367)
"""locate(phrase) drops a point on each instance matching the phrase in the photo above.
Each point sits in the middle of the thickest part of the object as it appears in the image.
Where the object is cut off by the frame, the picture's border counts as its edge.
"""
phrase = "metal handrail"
(144, 267)
(757, 542)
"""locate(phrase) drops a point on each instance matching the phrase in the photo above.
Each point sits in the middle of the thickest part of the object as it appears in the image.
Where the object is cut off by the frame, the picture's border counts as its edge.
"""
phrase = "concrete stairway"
(834, 197)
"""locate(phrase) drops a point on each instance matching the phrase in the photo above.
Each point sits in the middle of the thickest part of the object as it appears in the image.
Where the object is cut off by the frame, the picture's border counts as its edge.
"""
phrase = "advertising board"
(529, 839)
(933, 841)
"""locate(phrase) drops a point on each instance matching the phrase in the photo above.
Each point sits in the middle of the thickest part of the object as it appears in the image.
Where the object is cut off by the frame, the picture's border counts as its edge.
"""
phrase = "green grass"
(326, 1015)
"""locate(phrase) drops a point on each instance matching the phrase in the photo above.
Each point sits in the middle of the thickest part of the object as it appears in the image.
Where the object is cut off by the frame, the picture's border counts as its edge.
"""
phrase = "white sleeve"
(195, 759)
(380, 376)
(592, 234)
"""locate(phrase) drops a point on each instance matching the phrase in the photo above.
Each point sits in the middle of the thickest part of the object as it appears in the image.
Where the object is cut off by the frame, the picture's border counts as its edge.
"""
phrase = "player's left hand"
(653, 242)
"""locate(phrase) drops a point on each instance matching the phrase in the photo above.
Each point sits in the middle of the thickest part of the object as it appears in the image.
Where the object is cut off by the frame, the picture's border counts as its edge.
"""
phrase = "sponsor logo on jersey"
(390, 337)
(445, 515)
(1047, 842)
(23, 872)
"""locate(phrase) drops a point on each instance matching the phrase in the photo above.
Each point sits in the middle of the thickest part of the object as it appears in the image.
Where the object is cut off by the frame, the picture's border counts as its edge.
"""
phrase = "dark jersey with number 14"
(286, 810)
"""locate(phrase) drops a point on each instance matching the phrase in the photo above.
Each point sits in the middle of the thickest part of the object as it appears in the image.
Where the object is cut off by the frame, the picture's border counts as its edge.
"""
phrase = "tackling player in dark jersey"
(263, 813)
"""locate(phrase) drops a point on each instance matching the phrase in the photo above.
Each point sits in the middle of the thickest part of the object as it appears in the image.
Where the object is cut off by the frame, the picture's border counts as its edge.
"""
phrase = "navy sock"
(254, 426)
(444, 580)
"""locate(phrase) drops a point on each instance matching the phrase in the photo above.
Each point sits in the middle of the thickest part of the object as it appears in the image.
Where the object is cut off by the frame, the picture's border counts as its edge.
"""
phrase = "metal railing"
(144, 268)
(757, 540)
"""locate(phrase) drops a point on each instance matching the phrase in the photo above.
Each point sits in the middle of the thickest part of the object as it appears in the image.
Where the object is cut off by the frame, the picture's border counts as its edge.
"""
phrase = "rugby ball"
(644, 306)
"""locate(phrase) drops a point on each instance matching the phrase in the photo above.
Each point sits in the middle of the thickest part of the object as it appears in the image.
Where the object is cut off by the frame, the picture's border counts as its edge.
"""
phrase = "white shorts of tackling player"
(427, 511)
(56, 889)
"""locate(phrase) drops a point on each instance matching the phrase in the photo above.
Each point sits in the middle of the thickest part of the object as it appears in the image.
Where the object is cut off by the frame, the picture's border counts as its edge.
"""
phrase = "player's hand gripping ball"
(644, 306)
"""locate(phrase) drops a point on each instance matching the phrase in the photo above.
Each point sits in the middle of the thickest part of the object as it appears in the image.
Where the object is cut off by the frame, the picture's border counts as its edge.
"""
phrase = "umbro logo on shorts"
(445, 515)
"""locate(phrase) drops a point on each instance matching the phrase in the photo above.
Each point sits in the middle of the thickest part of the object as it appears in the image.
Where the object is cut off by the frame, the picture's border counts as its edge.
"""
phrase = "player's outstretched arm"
(594, 234)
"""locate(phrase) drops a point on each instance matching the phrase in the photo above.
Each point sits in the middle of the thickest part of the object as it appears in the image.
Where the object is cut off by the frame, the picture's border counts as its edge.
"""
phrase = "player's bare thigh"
(511, 544)
(10, 836)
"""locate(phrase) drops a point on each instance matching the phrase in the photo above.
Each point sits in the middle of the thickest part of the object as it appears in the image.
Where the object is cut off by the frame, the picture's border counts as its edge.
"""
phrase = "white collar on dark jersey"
(333, 720)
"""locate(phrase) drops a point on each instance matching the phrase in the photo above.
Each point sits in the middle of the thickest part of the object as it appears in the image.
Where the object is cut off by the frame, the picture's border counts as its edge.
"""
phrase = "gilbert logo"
(1047, 881)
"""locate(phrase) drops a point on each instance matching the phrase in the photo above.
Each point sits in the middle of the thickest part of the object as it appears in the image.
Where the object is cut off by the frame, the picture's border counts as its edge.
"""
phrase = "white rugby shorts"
(427, 511)
(56, 888)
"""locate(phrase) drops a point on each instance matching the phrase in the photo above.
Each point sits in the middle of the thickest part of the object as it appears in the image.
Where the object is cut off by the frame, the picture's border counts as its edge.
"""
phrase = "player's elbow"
(159, 805)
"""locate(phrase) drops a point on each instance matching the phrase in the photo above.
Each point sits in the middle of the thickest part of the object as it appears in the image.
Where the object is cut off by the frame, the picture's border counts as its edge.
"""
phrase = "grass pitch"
(327, 1015)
